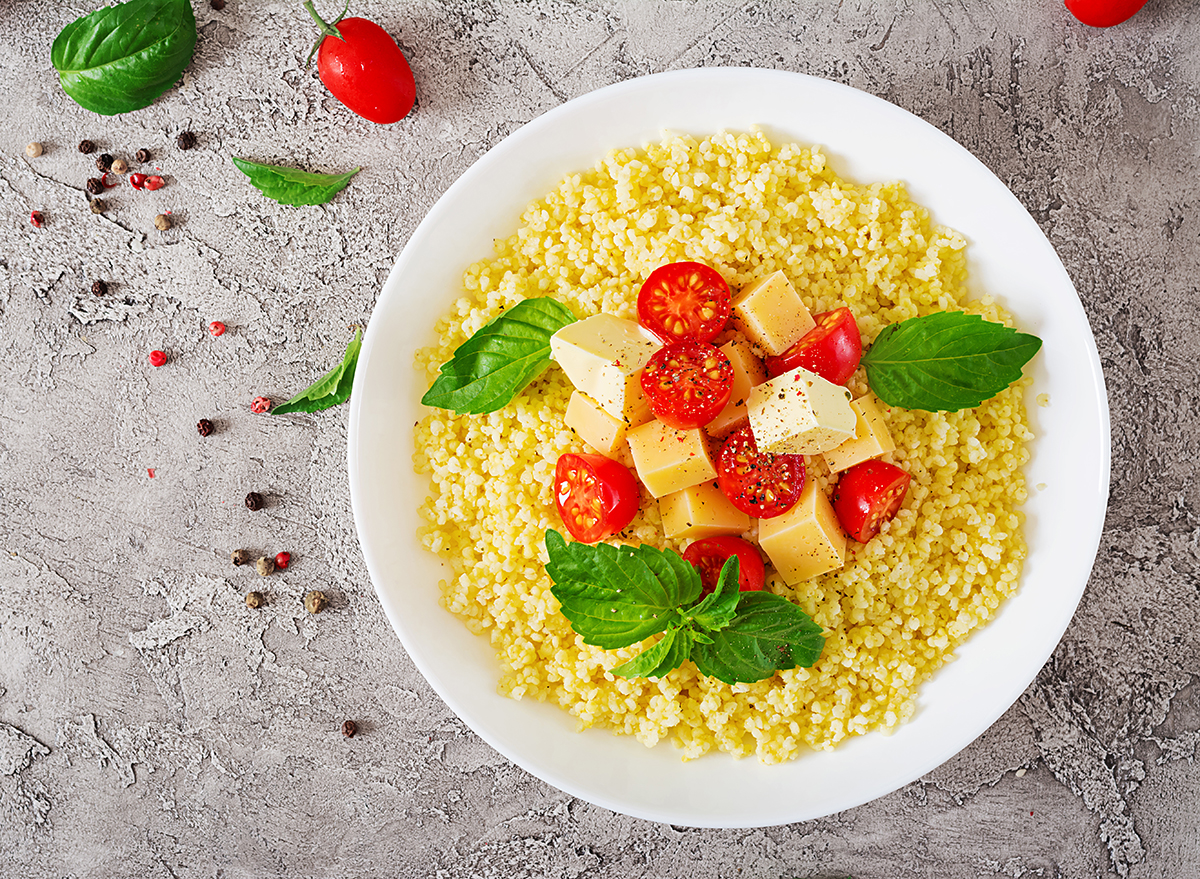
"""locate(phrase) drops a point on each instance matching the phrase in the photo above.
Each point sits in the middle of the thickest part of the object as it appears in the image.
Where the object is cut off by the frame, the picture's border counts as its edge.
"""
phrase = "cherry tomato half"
(687, 384)
(1103, 13)
(709, 555)
(596, 496)
(366, 70)
(831, 349)
(684, 300)
(867, 495)
(760, 484)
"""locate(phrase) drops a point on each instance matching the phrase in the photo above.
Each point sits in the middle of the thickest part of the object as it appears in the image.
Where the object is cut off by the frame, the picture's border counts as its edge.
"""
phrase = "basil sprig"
(331, 389)
(616, 596)
(291, 186)
(946, 361)
(120, 58)
(504, 355)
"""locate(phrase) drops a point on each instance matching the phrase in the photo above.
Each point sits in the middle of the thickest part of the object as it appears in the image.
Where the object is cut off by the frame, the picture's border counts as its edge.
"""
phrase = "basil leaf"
(291, 186)
(331, 389)
(504, 355)
(719, 607)
(768, 634)
(668, 654)
(946, 361)
(120, 58)
(616, 596)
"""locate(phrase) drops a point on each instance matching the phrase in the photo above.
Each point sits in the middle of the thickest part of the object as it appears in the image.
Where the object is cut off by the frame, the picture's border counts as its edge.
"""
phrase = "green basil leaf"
(120, 58)
(768, 634)
(503, 356)
(291, 186)
(666, 655)
(946, 361)
(331, 389)
(615, 596)
(719, 607)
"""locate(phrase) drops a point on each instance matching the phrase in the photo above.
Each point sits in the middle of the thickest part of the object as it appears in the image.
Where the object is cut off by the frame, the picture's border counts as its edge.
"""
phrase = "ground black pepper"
(254, 501)
(86, 146)
(99, 288)
(186, 140)
(204, 427)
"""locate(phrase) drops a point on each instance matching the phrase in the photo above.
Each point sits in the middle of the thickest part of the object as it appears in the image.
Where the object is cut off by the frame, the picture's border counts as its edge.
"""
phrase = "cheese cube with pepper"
(603, 356)
(668, 459)
(771, 314)
(806, 540)
(603, 432)
(748, 371)
(871, 437)
(700, 511)
(800, 413)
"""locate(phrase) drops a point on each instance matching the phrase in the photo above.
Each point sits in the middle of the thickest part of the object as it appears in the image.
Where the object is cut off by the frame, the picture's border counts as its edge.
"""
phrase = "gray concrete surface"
(152, 726)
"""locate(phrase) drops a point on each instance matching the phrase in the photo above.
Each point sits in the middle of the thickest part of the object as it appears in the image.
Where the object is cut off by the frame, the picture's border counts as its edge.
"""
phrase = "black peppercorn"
(186, 140)
(217, 4)
(97, 205)
(104, 162)
(86, 146)
(240, 557)
(95, 186)
(142, 155)
(254, 501)
(204, 427)
(349, 729)
(99, 288)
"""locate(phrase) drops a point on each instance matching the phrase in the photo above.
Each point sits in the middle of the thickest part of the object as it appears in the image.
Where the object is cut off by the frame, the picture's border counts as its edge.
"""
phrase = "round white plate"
(867, 139)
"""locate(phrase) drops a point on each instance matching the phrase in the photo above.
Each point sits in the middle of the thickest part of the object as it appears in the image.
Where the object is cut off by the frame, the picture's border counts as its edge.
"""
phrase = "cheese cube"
(770, 313)
(593, 425)
(806, 540)
(748, 371)
(603, 356)
(871, 437)
(668, 459)
(700, 511)
(800, 413)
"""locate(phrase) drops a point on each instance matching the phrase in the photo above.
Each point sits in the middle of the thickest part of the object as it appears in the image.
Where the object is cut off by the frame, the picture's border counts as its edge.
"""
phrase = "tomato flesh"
(867, 495)
(367, 72)
(687, 383)
(831, 349)
(709, 555)
(684, 300)
(760, 484)
(596, 496)
(1103, 13)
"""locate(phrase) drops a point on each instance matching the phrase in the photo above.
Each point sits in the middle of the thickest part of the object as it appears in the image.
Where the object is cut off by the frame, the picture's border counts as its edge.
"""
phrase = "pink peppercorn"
(216, 328)
(37, 219)
(282, 560)
(260, 405)
(157, 358)
(137, 181)
(154, 182)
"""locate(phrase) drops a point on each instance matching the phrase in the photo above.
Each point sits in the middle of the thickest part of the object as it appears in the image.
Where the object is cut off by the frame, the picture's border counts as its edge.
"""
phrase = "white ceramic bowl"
(867, 139)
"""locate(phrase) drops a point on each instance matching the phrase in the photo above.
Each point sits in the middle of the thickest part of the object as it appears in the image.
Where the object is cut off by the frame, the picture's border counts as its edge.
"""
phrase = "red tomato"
(684, 300)
(709, 555)
(687, 384)
(831, 349)
(596, 496)
(365, 69)
(867, 495)
(1104, 13)
(759, 484)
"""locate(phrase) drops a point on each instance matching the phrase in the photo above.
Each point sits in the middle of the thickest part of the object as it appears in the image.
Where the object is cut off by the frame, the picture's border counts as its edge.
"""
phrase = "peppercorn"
(119, 166)
(282, 560)
(97, 206)
(204, 427)
(186, 140)
(142, 155)
(95, 185)
(349, 729)
(104, 162)
(255, 599)
(315, 602)
(33, 150)
(37, 218)
(154, 182)
(86, 146)
(259, 405)
(216, 328)
(240, 557)
(157, 358)
(99, 288)
(265, 566)
(162, 222)
(218, 5)
(254, 501)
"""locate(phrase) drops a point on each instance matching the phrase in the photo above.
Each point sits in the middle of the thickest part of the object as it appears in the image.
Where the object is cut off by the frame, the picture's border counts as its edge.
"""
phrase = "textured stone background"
(151, 725)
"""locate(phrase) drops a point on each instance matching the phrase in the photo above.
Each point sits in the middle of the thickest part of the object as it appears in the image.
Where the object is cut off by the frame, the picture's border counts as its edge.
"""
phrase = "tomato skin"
(687, 383)
(1103, 13)
(831, 349)
(596, 496)
(367, 72)
(709, 555)
(760, 484)
(867, 495)
(684, 300)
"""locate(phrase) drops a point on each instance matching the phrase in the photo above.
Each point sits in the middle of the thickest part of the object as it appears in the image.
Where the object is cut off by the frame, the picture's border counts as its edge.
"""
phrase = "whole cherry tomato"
(684, 300)
(362, 67)
(687, 383)
(1104, 13)
(831, 349)
(709, 555)
(867, 495)
(760, 484)
(596, 496)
